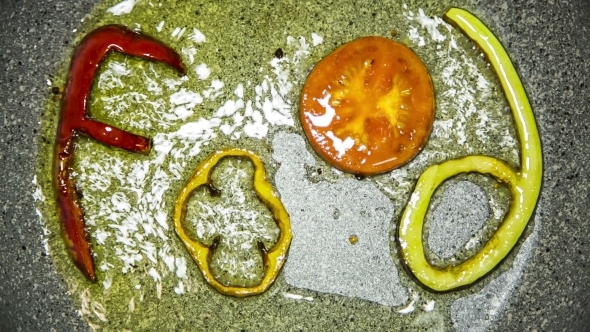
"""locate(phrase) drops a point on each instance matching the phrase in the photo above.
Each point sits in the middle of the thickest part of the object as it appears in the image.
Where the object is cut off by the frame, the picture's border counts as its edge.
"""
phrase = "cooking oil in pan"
(246, 64)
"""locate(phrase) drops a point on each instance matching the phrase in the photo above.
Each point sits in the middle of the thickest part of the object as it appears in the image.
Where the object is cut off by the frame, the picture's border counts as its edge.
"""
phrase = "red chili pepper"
(74, 119)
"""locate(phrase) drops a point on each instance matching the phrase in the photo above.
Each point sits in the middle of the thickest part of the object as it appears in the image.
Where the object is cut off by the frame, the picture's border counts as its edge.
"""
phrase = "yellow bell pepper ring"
(525, 185)
(273, 259)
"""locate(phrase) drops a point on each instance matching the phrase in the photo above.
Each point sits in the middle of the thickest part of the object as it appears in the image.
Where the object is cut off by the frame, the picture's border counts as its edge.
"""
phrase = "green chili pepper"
(525, 185)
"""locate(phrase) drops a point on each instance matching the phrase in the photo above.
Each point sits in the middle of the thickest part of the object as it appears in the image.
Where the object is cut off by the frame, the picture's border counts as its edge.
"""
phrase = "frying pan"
(549, 42)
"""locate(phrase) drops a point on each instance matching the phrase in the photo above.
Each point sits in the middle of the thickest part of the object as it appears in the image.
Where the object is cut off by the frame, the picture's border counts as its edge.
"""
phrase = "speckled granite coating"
(34, 37)
(462, 211)
(550, 45)
(321, 256)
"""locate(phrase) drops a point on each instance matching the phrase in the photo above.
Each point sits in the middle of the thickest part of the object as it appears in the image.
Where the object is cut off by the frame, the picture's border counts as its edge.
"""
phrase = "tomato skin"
(368, 107)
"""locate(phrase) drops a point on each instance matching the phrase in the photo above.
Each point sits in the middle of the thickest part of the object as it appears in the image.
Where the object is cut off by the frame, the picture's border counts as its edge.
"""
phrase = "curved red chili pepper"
(74, 119)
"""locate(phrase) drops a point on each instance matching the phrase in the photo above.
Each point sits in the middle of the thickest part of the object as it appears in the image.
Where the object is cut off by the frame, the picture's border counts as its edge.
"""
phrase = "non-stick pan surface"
(549, 42)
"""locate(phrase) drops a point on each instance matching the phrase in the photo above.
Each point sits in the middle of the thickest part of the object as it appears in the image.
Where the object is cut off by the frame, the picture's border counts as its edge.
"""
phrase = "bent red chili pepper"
(74, 119)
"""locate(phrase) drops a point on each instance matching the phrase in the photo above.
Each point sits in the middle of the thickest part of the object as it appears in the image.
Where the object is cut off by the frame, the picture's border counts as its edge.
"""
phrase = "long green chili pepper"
(525, 185)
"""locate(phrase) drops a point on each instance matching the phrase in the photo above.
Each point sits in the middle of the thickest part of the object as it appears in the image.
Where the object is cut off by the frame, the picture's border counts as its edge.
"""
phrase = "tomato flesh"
(368, 106)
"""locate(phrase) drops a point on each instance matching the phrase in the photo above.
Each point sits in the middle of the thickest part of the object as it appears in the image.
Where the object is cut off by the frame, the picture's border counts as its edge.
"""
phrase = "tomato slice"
(368, 106)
